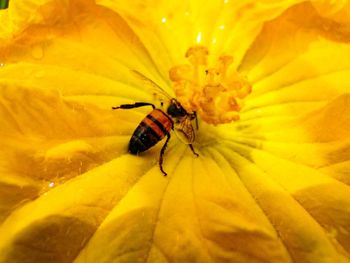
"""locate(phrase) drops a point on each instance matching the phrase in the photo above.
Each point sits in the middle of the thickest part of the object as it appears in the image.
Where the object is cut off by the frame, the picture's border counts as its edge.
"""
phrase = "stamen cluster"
(214, 92)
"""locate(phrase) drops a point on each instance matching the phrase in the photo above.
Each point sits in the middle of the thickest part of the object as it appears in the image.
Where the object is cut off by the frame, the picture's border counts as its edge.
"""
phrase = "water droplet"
(199, 37)
(38, 52)
(51, 184)
(164, 20)
(2, 64)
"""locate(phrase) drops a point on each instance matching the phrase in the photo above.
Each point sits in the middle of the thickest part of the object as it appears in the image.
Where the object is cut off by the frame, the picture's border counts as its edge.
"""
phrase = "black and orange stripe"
(154, 127)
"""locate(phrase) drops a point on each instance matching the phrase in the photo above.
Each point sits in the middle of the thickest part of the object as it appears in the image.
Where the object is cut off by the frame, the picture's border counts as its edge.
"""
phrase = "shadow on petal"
(55, 238)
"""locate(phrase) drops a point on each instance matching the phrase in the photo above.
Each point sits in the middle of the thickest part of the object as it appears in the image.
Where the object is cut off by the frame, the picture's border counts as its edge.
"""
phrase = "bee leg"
(191, 146)
(162, 153)
(195, 116)
(135, 105)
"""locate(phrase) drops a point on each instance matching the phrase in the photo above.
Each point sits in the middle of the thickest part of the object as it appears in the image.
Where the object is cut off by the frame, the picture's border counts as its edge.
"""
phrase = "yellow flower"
(270, 187)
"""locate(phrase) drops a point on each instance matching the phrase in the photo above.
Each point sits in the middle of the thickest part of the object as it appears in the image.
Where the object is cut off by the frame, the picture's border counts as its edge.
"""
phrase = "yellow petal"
(307, 161)
(297, 42)
(296, 68)
(169, 28)
(75, 44)
(59, 223)
(271, 188)
(335, 10)
(185, 220)
(46, 140)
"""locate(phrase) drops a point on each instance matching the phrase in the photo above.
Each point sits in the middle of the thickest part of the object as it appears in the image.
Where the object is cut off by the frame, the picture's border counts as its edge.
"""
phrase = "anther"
(215, 93)
(197, 55)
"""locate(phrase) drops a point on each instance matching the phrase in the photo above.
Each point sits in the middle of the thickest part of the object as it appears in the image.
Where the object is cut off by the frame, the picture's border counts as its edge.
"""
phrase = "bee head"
(176, 110)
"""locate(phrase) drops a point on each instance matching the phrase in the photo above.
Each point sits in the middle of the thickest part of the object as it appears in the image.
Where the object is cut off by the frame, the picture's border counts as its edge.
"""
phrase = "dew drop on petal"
(164, 20)
(199, 37)
(2, 64)
(51, 184)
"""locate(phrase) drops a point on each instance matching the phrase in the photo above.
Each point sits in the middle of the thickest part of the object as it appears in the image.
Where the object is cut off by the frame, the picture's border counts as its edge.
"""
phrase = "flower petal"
(186, 220)
(46, 140)
(75, 42)
(298, 159)
(290, 211)
(297, 67)
(299, 45)
(169, 28)
(335, 10)
(271, 188)
(57, 225)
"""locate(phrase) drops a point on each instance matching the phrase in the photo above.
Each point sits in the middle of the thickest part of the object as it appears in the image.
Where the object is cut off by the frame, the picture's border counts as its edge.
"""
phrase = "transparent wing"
(153, 87)
(184, 130)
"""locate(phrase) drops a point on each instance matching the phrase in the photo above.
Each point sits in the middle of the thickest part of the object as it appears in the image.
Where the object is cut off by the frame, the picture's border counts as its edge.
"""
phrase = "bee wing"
(184, 130)
(153, 87)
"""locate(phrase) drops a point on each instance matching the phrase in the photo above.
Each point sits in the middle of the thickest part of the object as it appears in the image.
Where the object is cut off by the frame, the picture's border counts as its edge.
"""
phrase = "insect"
(158, 124)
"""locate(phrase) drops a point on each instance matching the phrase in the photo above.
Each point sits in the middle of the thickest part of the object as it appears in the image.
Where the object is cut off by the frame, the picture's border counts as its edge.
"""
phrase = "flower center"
(215, 92)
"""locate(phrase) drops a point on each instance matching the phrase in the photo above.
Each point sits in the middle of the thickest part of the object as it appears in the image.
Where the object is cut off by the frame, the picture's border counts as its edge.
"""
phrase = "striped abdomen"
(151, 130)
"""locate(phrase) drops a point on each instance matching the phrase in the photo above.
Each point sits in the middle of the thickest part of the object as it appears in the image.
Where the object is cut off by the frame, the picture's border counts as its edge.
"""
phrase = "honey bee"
(158, 124)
